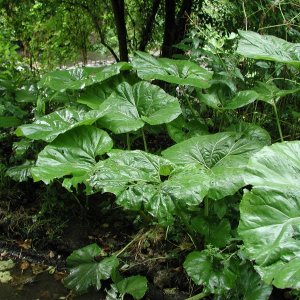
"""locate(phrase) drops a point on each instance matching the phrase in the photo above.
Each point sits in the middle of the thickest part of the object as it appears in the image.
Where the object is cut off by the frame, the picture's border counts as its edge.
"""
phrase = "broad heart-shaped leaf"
(47, 128)
(136, 286)
(224, 156)
(137, 179)
(180, 72)
(270, 93)
(87, 271)
(79, 78)
(215, 232)
(129, 107)
(180, 129)
(93, 96)
(73, 153)
(270, 213)
(268, 47)
(20, 173)
(240, 99)
(210, 270)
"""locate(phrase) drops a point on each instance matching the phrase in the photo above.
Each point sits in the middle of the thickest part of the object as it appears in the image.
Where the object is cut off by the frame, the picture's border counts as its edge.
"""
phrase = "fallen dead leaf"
(24, 265)
(25, 244)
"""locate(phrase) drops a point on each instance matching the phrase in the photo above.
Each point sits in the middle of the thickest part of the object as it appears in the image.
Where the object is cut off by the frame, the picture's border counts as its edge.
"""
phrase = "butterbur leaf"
(145, 181)
(270, 93)
(10, 121)
(241, 99)
(86, 270)
(180, 129)
(47, 128)
(209, 270)
(136, 286)
(223, 156)
(130, 107)
(180, 72)
(93, 96)
(20, 173)
(215, 232)
(268, 47)
(73, 153)
(270, 214)
(79, 78)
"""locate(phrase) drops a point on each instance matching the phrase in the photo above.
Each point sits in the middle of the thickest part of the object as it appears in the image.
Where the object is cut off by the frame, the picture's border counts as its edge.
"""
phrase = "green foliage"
(269, 223)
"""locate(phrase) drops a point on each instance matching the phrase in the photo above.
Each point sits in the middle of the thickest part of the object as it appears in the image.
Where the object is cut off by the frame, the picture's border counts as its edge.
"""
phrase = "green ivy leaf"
(180, 72)
(86, 271)
(270, 217)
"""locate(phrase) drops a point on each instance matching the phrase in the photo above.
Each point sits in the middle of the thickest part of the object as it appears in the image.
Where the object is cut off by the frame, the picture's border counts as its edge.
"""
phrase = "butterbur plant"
(233, 193)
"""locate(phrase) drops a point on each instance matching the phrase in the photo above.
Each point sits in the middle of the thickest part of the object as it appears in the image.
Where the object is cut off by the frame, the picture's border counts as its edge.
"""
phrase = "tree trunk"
(169, 29)
(147, 31)
(119, 15)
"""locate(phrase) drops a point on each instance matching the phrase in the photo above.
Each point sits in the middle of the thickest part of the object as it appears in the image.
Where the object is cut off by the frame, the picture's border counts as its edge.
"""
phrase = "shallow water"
(43, 286)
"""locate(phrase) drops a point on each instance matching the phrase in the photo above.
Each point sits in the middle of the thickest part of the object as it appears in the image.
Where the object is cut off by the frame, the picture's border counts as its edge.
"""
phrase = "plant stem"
(128, 141)
(191, 107)
(278, 121)
(197, 297)
(206, 207)
(129, 244)
(144, 140)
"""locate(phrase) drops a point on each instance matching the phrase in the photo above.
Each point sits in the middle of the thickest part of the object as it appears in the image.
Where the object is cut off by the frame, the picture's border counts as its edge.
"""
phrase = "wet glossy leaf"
(145, 181)
(180, 129)
(241, 99)
(136, 286)
(130, 107)
(270, 93)
(93, 96)
(215, 232)
(268, 47)
(223, 155)
(210, 271)
(86, 271)
(270, 213)
(180, 72)
(73, 153)
(79, 78)
(47, 128)
(22, 172)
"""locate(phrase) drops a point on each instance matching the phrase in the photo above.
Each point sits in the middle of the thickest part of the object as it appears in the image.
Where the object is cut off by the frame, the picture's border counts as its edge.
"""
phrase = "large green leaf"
(173, 71)
(79, 78)
(87, 270)
(270, 93)
(145, 181)
(129, 107)
(73, 153)
(210, 270)
(47, 128)
(268, 47)
(240, 99)
(22, 172)
(223, 155)
(136, 286)
(93, 96)
(181, 129)
(270, 213)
